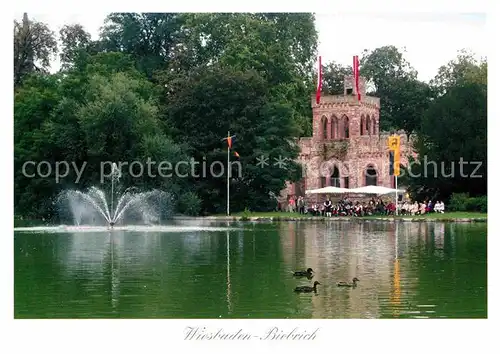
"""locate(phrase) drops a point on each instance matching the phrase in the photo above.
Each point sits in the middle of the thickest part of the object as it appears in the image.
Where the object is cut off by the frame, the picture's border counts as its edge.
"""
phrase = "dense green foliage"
(452, 134)
(168, 87)
(463, 202)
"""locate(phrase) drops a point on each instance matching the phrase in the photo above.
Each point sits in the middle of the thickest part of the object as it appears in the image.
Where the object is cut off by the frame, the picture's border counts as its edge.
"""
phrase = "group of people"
(417, 208)
(346, 207)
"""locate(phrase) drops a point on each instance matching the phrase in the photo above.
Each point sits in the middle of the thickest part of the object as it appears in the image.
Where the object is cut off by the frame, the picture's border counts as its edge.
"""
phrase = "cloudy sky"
(430, 40)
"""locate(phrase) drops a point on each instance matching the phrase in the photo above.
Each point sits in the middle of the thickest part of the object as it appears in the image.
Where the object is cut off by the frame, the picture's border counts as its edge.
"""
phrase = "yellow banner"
(393, 142)
(396, 162)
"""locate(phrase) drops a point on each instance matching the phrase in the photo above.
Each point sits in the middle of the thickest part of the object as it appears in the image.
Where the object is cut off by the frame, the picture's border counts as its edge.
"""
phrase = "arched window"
(335, 177)
(362, 125)
(334, 129)
(374, 123)
(368, 125)
(324, 127)
(370, 176)
(346, 127)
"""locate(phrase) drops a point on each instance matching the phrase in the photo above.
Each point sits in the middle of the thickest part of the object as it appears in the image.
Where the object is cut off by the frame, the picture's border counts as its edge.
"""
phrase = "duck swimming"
(351, 285)
(307, 289)
(303, 273)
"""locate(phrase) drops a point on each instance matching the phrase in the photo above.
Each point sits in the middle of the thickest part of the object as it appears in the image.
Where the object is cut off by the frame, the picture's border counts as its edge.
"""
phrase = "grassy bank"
(450, 216)
(453, 215)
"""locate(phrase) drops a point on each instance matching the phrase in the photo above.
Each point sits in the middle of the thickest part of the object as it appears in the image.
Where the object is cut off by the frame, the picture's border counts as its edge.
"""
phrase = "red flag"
(318, 86)
(236, 154)
(355, 66)
(229, 142)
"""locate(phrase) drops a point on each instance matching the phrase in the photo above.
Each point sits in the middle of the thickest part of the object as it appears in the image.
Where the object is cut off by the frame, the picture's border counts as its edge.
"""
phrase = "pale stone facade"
(347, 149)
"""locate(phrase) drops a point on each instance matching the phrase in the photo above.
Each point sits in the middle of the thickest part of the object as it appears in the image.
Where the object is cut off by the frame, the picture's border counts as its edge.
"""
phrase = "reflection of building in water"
(287, 242)
(340, 252)
(293, 245)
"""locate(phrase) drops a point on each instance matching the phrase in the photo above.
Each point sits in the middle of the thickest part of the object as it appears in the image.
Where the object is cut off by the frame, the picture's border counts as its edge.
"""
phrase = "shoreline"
(446, 218)
(333, 219)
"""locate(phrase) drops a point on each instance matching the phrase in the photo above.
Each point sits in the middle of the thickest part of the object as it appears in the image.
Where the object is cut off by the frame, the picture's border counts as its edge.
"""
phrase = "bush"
(458, 202)
(462, 202)
(189, 204)
(479, 204)
(245, 215)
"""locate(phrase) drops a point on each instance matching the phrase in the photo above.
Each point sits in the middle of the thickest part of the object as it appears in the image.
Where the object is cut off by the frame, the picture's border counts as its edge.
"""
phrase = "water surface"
(407, 270)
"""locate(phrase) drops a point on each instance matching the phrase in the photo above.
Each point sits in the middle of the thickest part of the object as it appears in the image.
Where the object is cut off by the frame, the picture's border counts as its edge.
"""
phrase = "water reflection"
(396, 291)
(115, 275)
(405, 270)
(229, 307)
(382, 255)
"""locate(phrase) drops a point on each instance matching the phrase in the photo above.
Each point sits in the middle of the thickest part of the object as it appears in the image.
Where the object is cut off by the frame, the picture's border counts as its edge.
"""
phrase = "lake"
(406, 270)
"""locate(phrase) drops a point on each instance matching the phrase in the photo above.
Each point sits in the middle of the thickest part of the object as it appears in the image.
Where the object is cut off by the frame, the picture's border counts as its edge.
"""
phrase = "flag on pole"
(355, 67)
(318, 86)
(391, 163)
(230, 141)
(236, 154)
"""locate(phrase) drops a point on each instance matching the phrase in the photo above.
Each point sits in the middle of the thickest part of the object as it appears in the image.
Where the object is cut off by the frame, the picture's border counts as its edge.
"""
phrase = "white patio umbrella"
(312, 191)
(328, 190)
(378, 190)
(335, 190)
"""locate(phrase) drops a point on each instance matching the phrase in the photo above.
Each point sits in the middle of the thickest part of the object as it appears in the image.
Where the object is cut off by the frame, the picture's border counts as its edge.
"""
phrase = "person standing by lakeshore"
(301, 205)
(328, 207)
(291, 204)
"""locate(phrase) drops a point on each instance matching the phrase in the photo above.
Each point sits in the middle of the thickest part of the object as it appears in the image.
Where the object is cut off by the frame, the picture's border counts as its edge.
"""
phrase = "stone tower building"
(347, 149)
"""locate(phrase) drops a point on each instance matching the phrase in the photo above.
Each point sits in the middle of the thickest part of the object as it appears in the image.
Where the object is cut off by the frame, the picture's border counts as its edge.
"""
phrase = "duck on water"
(307, 289)
(304, 273)
(346, 284)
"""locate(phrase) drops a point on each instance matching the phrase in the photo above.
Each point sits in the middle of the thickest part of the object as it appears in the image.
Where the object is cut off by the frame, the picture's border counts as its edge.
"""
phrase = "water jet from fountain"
(91, 207)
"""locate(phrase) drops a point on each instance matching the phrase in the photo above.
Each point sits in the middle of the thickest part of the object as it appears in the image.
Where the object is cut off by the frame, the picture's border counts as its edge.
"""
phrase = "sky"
(429, 39)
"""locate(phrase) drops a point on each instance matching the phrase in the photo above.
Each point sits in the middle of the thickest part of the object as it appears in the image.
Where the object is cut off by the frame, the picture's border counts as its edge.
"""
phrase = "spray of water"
(92, 207)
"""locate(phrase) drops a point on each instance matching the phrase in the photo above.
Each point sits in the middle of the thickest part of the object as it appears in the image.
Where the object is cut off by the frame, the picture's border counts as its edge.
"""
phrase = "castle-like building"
(347, 148)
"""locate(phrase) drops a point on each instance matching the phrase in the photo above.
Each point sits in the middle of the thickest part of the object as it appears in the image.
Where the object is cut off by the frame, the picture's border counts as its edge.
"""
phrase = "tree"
(75, 41)
(149, 37)
(385, 63)
(105, 112)
(403, 97)
(333, 75)
(453, 130)
(410, 99)
(210, 102)
(34, 44)
(34, 102)
(464, 68)
(280, 47)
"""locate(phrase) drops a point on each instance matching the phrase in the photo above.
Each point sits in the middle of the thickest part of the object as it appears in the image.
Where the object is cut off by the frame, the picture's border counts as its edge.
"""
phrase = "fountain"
(92, 207)
(133, 211)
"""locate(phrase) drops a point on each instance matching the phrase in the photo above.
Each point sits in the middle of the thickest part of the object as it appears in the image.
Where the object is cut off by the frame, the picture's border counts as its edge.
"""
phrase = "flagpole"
(228, 172)
(396, 184)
